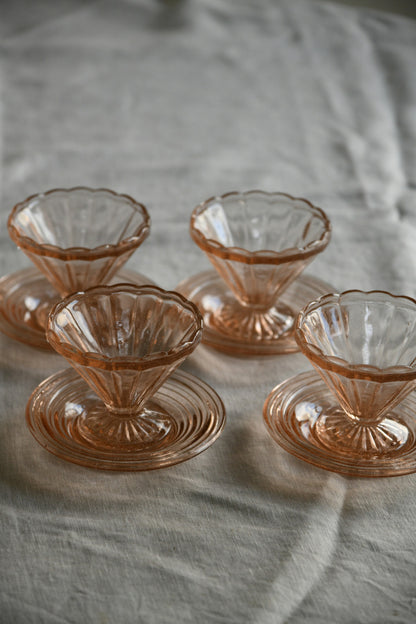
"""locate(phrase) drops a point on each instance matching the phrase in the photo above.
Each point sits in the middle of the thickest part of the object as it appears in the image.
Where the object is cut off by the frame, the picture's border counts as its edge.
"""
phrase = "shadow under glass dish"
(259, 244)
(357, 414)
(125, 414)
(76, 238)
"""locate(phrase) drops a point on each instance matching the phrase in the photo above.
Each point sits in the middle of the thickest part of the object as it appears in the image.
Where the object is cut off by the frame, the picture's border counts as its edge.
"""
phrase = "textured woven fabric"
(174, 102)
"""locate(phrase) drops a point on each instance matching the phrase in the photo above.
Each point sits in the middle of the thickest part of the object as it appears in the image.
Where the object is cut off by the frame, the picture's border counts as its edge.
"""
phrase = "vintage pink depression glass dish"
(358, 416)
(77, 238)
(259, 243)
(124, 341)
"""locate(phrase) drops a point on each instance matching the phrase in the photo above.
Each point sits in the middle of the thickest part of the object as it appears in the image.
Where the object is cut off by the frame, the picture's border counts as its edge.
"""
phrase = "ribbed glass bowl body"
(259, 243)
(124, 340)
(78, 237)
(363, 344)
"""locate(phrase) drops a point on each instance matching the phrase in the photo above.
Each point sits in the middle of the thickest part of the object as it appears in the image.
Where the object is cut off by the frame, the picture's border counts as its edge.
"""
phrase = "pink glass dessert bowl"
(77, 238)
(259, 243)
(124, 341)
(358, 417)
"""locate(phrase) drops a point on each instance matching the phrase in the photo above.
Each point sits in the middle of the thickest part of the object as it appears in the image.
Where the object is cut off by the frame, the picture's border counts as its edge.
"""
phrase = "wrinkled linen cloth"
(174, 102)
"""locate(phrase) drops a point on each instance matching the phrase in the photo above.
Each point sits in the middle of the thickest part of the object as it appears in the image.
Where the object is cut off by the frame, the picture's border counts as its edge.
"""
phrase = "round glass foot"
(251, 326)
(101, 429)
(228, 328)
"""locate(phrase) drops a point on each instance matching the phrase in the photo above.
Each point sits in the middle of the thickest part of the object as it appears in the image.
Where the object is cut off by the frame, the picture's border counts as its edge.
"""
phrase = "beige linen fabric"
(172, 102)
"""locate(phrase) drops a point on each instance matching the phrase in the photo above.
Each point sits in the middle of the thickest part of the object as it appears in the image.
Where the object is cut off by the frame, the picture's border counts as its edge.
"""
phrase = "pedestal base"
(182, 419)
(303, 417)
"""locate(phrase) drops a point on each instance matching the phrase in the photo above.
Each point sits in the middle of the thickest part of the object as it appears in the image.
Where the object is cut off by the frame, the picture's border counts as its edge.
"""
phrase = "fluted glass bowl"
(76, 238)
(125, 341)
(259, 243)
(361, 420)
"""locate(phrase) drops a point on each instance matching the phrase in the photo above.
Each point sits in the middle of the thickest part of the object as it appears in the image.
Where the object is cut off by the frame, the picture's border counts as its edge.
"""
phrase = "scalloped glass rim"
(263, 256)
(81, 253)
(98, 360)
(339, 365)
